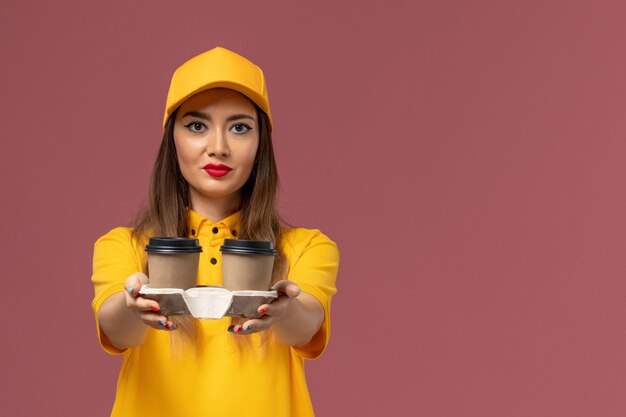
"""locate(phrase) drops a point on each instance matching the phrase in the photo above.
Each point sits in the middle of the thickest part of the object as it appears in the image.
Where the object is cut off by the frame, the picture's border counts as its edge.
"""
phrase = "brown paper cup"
(173, 270)
(173, 262)
(247, 264)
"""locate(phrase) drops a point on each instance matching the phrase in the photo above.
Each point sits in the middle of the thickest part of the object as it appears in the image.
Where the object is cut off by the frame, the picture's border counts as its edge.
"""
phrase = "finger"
(271, 309)
(131, 299)
(293, 290)
(134, 283)
(144, 304)
(132, 289)
(157, 321)
(269, 313)
(237, 329)
(153, 319)
(140, 303)
(276, 307)
(251, 326)
(263, 309)
(167, 325)
(288, 288)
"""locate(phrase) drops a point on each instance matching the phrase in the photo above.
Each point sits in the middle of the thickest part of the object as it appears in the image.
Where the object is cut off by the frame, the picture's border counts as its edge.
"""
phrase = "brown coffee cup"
(173, 262)
(247, 264)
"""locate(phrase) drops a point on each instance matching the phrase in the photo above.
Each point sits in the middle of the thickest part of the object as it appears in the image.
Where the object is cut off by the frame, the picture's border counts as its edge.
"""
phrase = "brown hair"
(165, 213)
(165, 210)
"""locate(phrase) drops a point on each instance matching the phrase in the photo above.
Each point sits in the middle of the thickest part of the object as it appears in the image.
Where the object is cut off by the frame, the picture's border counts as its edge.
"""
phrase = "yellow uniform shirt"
(225, 378)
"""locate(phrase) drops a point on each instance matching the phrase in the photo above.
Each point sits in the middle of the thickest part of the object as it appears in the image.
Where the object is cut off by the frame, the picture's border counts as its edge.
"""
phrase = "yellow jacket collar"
(196, 222)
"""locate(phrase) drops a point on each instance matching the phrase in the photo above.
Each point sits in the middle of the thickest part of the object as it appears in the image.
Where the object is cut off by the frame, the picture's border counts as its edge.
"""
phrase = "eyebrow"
(204, 116)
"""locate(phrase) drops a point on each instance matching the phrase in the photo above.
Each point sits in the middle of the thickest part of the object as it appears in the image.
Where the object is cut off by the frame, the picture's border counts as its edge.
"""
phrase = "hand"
(146, 310)
(273, 312)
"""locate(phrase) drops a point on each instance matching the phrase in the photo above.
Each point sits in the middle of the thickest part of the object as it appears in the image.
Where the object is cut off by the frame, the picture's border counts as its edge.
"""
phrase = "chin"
(213, 193)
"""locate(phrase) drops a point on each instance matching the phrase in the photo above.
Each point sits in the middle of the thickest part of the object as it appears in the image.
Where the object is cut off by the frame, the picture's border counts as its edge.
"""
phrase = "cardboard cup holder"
(209, 302)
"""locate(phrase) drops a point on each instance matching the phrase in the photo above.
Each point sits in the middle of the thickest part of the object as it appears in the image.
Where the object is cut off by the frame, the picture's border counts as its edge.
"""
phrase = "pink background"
(467, 156)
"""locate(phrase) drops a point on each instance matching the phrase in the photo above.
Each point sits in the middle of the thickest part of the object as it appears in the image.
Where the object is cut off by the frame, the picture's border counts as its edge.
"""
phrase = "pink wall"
(468, 157)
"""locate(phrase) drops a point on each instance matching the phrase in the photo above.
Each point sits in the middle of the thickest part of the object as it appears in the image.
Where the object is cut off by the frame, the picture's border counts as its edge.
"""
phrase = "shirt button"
(234, 233)
(215, 230)
(213, 261)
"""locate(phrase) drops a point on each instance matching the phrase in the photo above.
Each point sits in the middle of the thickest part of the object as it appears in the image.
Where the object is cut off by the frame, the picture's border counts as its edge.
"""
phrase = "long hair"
(165, 209)
(165, 212)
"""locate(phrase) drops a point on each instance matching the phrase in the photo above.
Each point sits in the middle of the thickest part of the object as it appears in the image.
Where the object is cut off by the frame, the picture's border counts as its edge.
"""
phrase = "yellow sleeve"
(115, 258)
(313, 262)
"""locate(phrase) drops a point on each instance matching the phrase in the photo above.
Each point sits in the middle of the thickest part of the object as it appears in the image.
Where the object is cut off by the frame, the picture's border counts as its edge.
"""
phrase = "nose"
(217, 145)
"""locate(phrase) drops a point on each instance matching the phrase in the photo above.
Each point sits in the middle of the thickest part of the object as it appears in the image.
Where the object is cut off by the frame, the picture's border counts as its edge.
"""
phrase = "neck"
(214, 208)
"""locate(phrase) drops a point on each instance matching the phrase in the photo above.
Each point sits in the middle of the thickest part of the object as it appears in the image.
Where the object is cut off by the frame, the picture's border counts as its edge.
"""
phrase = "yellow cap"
(218, 67)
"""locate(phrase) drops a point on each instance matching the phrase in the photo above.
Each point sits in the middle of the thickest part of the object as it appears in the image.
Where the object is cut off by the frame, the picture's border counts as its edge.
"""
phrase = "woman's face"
(216, 134)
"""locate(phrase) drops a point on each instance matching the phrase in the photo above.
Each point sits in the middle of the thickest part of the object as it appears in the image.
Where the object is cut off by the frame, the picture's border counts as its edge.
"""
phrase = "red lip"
(217, 170)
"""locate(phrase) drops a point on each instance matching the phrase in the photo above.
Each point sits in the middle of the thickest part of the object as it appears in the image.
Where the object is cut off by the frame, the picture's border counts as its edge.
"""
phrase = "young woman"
(215, 178)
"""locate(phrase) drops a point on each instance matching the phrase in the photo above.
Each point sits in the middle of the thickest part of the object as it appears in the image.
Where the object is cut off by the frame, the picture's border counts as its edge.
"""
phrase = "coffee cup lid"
(173, 245)
(248, 247)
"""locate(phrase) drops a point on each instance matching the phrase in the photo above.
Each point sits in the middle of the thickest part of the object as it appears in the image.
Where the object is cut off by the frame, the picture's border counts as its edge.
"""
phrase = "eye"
(196, 127)
(241, 128)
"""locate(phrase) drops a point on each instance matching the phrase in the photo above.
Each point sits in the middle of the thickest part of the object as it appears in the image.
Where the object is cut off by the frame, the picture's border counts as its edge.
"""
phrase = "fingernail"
(230, 329)
(161, 323)
(130, 290)
(248, 328)
(168, 326)
(154, 308)
(262, 310)
(238, 329)
(174, 327)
